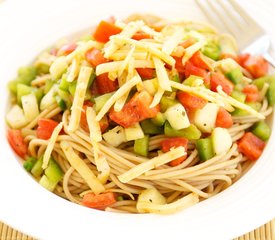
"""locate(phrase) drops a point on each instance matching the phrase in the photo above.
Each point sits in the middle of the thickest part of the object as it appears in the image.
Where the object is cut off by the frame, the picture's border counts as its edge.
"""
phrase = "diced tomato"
(224, 119)
(105, 84)
(146, 73)
(66, 49)
(95, 57)
(251, 92)
(180, 68)
(228, 55)
(169, 143)
(136, 110)
(198, 61)
(103, 123)
(191, 69)
(141, 35)
(188, 42)
(45, 128)
(17, 143)
(251, 146)
(257, 66)
(191, 101)
(105, 30)
(100, 201)
(218, 79)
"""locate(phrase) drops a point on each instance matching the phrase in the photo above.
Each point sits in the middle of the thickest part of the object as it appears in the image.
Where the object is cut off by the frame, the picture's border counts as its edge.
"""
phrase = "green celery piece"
(42, 68)
(53, 171)
(23, 90)
(39, 93)
(191, 133)
(48, 85)
(101, 100)
(72, 87)
(29, 163)
(238, 96)
(238, 87)
(47, 183)
(176, 78)
(191, 80)
(91, 80)
(205, 149)
(261, 130)
(12, 85)
(271, 93)
(167, 102)
(212, 50)
(64, 85)
(149, 127)
(61, 103)
(259, 82)
(141, 146)
(27, 74)
(37, 169)
(235, 75)
(241, 112)
(65, 96)
(159, 119)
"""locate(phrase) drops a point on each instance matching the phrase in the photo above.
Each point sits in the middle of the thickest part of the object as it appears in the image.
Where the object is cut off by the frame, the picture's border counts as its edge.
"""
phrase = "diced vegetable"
(65, 96)
(136, 110)
(26, 74)
(99, 201)
(177, 117)
(251, 146)
(212, 50)
(146, 73)
(115, 136)
(191, 133)
(205, 149)
(29, 163)
(180, 68)
(205, 118)
(72, 87)
(101, 100)
(64, 84)
(259, 82)
(45, 128)
(261, 130)
(48, 99)
(191, 69)
(193, 81)
(47, 183)
(134, 132)
(218, 79)
(17, 143)
(53, 171)
(251, 92)
(61, 103)
(241, 112)
(235, 75)
(95, 57)
(199, 61)
(141, 146)
(66, 49)
(104, 84)
(151, 86)
(169, 143)
(238, 96)
(141, 35)
(224, 119)
(167, 102)
(37, 169)
(58, 67)
(30, 107)
(48, 85)
(271, 94)
(221, 140)
(191, 101)
(150, 195)
(16, 117)
(159, 119)
(149, 127)
(105, 30)
(23, 90)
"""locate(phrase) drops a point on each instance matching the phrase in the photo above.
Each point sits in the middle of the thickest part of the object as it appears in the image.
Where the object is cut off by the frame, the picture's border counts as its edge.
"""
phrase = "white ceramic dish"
(29, 26)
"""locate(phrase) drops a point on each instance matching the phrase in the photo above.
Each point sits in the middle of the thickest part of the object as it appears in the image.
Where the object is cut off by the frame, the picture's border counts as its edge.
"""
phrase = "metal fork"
(230, 17)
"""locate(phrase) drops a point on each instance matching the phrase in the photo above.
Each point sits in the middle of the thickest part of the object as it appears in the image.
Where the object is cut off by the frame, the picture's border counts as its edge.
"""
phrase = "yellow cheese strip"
(50, 145)
(80, 92)
(173, 41)
(157, 97)
(189, 52)
(79, 165)
(162, 75)
(94, 127)
(152, 163)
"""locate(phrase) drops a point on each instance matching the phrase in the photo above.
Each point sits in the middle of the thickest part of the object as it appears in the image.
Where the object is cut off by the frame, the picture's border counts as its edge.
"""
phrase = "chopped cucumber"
(141, 146)
(48, 99)
(48, 85)
(191, 133)
(115, 136)
(58, 67)
(30, 106)
(238, 96)
(205, 149)
(47, 183)
(259, 82)
(134, 132)
(149, 127)
(193, 81)
(221, 140)
(27, 74)
(101, 100)
(64, 84)
(212, 50)
(61, 103)
(23, 89)
(241, 112)
(177, 116)
(65, 96)
(91, 80)
(37, 169)
(159, 119)
(29, 163)
(151, 86)
(72, 87)
(16, 117)
(12, 85)
(53, 171)
(261, 130)
(235, 75)
(166, 102)
(271, 93)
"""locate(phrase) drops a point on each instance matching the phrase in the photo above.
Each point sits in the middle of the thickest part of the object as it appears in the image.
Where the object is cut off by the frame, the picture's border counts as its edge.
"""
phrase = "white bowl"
(29, 26)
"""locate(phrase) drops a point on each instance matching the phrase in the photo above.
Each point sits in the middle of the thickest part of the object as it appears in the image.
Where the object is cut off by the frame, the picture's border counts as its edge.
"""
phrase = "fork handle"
(270, 59)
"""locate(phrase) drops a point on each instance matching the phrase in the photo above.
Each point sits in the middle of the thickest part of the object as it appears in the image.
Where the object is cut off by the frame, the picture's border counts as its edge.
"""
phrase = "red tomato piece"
(100, 201)
(257, 66)
(224, 119)
(198, 61)
(188, 42)
(228, 55)
(251, 146)
(95, 57)
(191, 69)
(66, 49)
(251, 92)
(45, 128)
(218, 79)
(175, 142)
(191, 101)
(105, 30)
(146, 73)
(141, 35)
(136, 110)
(105, 84)
(17, 143)
(180, 68)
